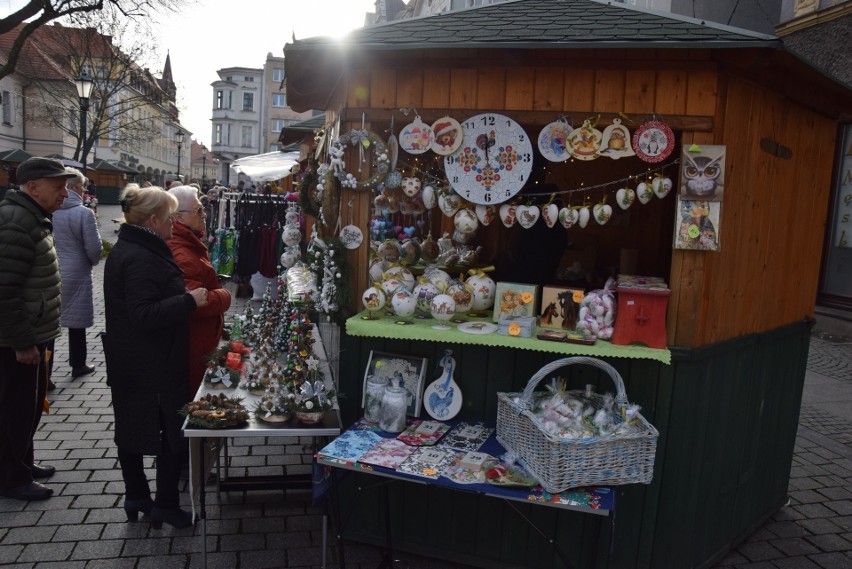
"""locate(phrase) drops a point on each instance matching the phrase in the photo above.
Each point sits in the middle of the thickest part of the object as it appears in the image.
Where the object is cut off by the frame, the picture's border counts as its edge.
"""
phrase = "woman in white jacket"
(78, 246)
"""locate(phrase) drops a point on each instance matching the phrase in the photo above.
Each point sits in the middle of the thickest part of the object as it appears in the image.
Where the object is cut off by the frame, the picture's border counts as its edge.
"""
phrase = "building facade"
(237, 104)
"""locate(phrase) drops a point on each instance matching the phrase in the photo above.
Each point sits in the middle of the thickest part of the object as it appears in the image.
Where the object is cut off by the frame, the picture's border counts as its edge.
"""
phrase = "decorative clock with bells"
(494, 161)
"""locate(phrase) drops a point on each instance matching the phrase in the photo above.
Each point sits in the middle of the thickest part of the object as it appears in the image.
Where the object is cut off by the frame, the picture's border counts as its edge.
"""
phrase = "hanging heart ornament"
(550, 214)
(625, 197)
(602, 213)
(568, 217)
(644, 193)
(661, 186)
(527, 215)
(508, 215)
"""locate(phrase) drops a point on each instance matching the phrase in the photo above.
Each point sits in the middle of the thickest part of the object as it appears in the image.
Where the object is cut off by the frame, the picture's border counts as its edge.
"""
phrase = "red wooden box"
(641, 316)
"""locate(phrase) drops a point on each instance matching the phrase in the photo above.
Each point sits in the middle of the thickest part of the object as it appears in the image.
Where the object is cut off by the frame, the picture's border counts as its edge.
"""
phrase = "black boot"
(133, 507)
(175, 517)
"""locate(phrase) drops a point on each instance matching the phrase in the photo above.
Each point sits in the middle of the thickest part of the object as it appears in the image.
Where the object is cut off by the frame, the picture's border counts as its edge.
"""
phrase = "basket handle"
(620, 396)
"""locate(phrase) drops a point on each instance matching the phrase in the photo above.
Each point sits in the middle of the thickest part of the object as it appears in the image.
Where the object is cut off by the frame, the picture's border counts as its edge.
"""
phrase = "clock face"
(494, 161)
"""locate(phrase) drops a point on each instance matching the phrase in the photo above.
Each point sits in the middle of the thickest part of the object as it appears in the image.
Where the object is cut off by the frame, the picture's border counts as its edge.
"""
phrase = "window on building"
(220, 99)
(279, 100)
(248, 101)
(228, 78)
(7, 107)
(278, 74)
(217, 134)
(246, 136)
(249, 79)
(273, 148)
(278, 124)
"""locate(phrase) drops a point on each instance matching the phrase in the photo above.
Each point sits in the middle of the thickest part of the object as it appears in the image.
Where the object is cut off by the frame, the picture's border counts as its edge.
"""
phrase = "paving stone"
(11, 519)
(125, 530)
(82, 488)
(95, 501)
(820, 526)
(79, 532)
(243, 542)
(145, 547)
(86, 453)
(36, 552)
(836, 493)
(265, 559)
(794, 546)
(106, 515)
(807, 496)
(831, 560)
(191, 544)
(9, 553)
(31, 534)
(96, 463)
(842, 507)
(306, 522)
(62, 565)
(807, 483)
(830, 542)
(785, 529)
(162, 562)
(57, 502)
(815, 511)
(215, 561)
(70, 476)
(99, 549)
(798, 562)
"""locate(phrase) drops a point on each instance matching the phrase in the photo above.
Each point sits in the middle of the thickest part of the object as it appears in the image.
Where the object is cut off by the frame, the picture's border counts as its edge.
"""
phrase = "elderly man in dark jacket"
(29, 319)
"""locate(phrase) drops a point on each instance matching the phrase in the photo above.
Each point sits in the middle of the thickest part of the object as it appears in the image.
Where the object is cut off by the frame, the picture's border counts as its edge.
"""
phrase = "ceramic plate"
(477, 327)
(653, 141)
(553, 141)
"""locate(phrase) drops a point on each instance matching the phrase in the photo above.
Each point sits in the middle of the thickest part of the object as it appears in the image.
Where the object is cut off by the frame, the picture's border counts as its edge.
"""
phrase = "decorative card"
(389, 453)
(560, 307)
(392, 367)
(703, 172)
(423, 433)
(349, 447)
(462, 473)
(515, 299)
(466, 437)
(697, 225)
(429, 462)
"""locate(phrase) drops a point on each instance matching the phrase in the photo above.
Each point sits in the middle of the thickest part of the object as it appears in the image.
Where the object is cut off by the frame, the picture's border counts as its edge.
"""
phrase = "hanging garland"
(327, 260)
(309, 196)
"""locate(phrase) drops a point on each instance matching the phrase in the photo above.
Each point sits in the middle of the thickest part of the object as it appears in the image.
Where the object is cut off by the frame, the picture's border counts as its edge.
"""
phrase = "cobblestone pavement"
(84, 527)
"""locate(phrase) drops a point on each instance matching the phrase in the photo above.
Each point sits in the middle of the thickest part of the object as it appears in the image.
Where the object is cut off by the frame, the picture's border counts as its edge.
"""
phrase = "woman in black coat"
(146, 346)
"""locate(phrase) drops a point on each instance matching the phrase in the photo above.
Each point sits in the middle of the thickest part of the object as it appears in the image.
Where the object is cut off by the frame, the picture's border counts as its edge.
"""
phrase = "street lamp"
(179, 134)
(203, 165)
(84, 83)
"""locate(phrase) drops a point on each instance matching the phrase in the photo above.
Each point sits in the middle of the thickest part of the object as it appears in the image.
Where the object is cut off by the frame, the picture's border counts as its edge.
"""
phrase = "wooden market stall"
(738, 319)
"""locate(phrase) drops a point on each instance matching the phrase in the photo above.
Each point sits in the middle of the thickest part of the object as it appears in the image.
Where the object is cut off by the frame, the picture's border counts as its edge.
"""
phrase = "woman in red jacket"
(205, 325)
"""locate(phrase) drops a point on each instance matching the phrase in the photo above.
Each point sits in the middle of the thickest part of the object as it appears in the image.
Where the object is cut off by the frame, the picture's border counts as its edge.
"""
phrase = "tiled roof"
(542, 24)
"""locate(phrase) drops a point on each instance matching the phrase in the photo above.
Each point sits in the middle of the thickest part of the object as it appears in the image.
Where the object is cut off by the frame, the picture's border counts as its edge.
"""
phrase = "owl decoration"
(703, 175)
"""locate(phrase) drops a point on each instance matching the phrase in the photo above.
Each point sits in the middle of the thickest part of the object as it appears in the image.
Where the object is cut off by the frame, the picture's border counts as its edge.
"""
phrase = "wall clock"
(494, 161)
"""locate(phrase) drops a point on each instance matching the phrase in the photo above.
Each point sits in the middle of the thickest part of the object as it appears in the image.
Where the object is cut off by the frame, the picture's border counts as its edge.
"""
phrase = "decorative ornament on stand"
(653, 141)
(585, 141)
(442, 308)
(616, 142)
(484, 290)
(374, 300)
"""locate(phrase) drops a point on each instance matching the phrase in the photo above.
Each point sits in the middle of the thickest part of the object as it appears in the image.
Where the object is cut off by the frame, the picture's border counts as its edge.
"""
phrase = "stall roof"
(16, 155)
(296, 132)
(314, 65)
(268, 167)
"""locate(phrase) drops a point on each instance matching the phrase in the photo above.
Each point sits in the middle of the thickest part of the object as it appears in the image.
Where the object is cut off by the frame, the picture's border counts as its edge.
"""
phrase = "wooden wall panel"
(383, 84)
(490, 88)
(436, 88)
(463, 88)
(670, 97)
(701, 92)
(579, 89)
(358, 88)
(520, 84)
(639, 90)
(549, 82)
(410, 89)
(609, 91)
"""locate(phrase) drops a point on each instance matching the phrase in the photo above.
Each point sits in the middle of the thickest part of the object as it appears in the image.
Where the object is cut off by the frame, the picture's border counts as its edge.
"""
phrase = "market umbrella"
(66, 161)
(268, 167)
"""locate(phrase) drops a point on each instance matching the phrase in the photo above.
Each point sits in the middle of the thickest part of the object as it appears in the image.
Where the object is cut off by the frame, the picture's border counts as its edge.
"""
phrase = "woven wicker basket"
(561, 463)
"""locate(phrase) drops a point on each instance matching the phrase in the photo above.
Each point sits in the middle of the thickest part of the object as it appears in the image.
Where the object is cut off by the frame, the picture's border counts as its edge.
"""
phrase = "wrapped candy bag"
(597, 312)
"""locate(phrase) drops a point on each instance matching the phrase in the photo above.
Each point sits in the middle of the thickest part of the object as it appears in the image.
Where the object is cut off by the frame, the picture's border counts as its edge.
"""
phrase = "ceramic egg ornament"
(465, 221)
(584, 217)
(429, 249)
(403, 274)
(291, 236)
(373, 300)
(442, 308)
(389, 250)
(424, 292)
(484, 290)
(409, 251)
(429, 198)
(290, 256)
(462, 294)
(404, 304)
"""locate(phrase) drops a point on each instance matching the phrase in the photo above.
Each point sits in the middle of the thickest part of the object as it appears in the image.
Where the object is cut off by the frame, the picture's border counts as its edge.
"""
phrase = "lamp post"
(179, 134)
(203, 165)
(84, 84)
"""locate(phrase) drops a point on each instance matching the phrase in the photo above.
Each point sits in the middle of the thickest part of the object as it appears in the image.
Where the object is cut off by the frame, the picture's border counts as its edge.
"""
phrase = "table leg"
(387, 556)
(202, 502)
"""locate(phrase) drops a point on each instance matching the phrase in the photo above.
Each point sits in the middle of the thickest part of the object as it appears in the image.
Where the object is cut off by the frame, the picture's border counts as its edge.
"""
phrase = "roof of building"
(543, 23)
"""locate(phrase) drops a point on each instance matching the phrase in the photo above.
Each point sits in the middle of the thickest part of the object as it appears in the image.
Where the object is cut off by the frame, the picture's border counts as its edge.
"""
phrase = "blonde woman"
(146, 345)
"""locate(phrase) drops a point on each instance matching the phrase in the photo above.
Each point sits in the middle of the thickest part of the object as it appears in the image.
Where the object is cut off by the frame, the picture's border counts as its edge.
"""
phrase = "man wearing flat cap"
(29, 319)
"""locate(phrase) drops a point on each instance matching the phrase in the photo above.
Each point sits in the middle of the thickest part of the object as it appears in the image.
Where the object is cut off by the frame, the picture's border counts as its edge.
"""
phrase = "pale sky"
(212, 34)
(215, 34)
